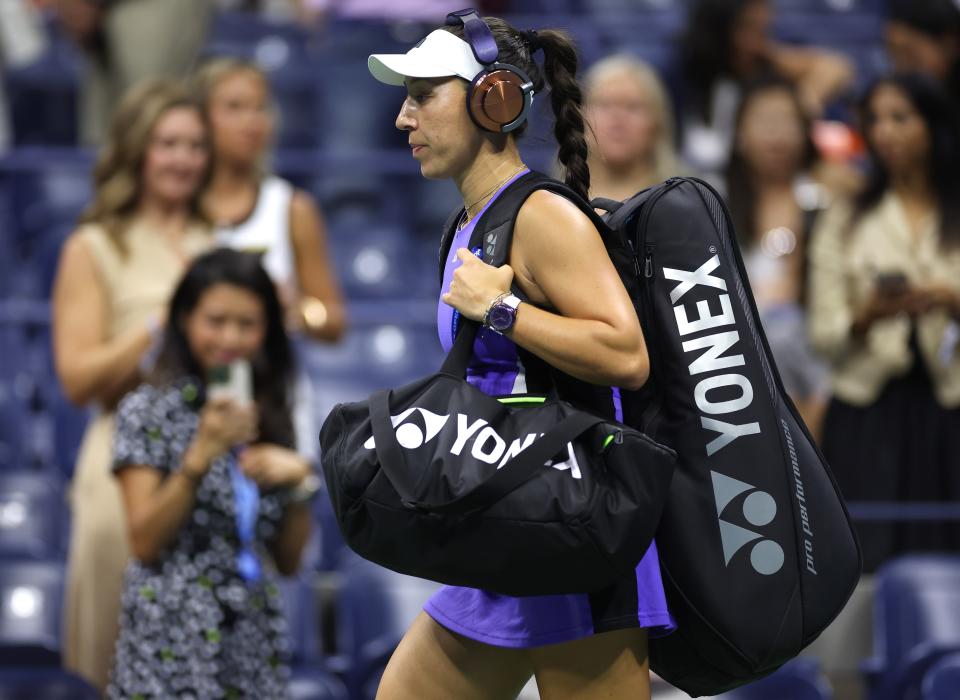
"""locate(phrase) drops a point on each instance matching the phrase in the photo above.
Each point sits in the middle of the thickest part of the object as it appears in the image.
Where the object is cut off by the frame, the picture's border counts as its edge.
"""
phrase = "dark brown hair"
(273, 366)
(741, 193)
(939, 114)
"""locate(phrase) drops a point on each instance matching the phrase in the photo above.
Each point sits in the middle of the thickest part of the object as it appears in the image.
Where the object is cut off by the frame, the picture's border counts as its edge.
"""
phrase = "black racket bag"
(757, 551)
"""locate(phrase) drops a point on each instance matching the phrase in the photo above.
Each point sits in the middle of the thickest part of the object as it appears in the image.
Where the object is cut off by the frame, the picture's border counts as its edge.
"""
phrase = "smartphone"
(892, 283)
(233, 381)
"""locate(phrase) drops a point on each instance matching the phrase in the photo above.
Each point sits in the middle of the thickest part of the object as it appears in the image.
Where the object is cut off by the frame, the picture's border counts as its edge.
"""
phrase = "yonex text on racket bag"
(757, 551)
(524, 495)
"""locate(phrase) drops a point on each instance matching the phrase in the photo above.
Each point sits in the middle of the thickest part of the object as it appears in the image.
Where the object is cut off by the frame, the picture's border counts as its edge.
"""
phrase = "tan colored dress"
(138, 284)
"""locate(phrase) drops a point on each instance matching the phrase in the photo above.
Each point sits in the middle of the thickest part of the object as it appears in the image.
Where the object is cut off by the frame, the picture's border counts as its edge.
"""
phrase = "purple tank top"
(534, 620)
(496, 368)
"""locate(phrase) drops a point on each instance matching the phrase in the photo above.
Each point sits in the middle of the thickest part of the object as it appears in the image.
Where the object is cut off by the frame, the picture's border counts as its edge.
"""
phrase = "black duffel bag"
(522, 495)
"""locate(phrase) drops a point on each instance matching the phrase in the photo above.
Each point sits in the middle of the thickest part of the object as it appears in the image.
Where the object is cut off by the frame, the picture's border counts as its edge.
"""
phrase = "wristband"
(314, 313)
(305, 490)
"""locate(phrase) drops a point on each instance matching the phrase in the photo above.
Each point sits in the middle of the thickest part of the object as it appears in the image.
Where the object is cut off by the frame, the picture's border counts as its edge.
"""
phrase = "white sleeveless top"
(267, 231)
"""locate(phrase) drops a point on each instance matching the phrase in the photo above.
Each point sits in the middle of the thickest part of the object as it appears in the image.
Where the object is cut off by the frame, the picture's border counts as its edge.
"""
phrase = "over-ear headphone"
(499, 96)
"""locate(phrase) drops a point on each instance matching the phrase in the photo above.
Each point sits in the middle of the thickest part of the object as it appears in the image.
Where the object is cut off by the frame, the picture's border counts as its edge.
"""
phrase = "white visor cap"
(440, 55)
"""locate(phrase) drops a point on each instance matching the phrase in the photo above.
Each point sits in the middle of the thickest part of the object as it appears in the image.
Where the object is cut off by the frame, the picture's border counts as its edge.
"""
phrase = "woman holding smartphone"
(255, 210)
(213, 492)
(884, 312)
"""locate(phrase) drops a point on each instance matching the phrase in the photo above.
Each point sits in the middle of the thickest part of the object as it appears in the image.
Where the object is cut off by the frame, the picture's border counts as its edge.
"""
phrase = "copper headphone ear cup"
(497, 98)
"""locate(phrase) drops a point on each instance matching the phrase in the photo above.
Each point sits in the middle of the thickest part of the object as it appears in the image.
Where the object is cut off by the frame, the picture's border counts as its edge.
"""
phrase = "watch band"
(511, 300)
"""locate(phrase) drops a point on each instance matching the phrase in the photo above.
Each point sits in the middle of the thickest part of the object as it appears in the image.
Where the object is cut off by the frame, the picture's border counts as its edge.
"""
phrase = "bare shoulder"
(544, 213)
(77, 250)
(303, 204)
(303, 201)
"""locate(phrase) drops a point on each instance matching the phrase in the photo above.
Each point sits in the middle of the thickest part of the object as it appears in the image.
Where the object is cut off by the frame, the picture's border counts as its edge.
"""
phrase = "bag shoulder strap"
(494, 230)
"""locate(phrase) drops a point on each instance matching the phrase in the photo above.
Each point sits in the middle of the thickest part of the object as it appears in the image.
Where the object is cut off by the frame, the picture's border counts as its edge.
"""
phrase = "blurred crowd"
(844, 196)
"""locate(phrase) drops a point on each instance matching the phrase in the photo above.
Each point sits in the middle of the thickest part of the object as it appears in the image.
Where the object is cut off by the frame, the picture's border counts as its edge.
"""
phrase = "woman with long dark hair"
(774, 202)
(214, 492)
(576, 327)
(884, 312)
(727, 44)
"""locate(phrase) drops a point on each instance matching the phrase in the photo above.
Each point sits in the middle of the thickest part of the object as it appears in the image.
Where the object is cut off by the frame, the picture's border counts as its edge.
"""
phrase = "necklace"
(491, 191)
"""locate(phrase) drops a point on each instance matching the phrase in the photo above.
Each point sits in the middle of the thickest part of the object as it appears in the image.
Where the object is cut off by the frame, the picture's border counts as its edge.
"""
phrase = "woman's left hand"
(272, 466)
(475, 285)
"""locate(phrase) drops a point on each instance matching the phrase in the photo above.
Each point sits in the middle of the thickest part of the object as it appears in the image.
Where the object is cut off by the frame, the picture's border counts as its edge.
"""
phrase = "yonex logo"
(491, 244)
(759, 509)
(712, 359)
(486, 444)
(410, 435)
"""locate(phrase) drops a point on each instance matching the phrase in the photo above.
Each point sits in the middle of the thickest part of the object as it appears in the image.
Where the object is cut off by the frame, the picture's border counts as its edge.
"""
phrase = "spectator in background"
(774, 202)
(253, 210)
(22, 41)
(116, 274)
(631, 134)
(208, 482)
(126, 42)
(923, 36)
(884, 311)
(726, 44)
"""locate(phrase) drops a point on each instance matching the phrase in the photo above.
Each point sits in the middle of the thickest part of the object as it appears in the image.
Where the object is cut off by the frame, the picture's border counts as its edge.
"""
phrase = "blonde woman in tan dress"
(116, 274)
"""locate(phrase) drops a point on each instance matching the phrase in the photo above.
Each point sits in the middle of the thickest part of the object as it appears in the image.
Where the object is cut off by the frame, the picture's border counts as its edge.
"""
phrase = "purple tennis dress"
(530, 621)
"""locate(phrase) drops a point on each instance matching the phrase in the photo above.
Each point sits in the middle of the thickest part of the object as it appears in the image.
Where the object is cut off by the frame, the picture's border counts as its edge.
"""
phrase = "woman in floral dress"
(214, 494)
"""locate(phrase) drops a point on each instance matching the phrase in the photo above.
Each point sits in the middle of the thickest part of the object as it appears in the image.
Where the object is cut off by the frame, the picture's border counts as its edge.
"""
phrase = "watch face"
(501, 317)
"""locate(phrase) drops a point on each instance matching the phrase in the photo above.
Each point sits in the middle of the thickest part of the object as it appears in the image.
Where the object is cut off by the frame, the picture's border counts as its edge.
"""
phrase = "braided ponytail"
(566, 98)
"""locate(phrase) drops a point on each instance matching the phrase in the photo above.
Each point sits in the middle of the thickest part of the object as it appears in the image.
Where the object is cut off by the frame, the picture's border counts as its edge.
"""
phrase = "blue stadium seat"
(916, 622)
(314, 685)
(365, 629)
(301, 617)
(69, 425)
(283, 51)
(942, 681)
(43, 684)
(42, 96)
(31, 509)
(332, 545)
(12, 418)
(377, 261)
(310, 680)
(376, 356)
(31, 595)
(830, 7)
(29, 390)
(799, 679)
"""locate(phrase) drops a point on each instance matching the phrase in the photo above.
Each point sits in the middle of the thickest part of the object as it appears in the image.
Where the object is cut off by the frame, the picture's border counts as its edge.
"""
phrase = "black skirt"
(903, 447)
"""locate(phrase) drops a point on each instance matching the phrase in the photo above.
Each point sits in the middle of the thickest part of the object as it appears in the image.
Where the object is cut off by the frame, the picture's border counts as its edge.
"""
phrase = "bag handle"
(608, 205)
(515, 473)
(458, 359)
